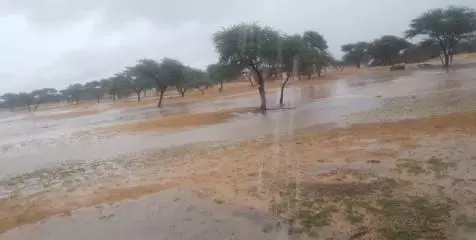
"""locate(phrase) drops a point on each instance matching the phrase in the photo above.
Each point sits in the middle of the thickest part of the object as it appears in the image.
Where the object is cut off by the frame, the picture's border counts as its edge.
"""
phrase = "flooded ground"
(351, 158)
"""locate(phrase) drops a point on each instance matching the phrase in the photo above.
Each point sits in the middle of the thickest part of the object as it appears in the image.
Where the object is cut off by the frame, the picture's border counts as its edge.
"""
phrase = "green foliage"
(219, 73)
(446, 26)
(247, 44)
(293, 48)
(355, 52)
(74, 92)
(387, 48)
(196, 78)
(315, 40)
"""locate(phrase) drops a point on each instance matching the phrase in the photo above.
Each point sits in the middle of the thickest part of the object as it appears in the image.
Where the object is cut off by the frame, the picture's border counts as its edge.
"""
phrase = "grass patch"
(410, 166)
(414, 218)
(352, 213)
(439, 167)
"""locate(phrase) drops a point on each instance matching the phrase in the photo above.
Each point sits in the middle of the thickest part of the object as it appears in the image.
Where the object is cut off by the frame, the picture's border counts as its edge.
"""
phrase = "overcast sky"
(53, 43)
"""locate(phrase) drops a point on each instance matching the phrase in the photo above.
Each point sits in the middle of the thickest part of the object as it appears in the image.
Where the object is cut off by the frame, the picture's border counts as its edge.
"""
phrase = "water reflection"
(28, 144)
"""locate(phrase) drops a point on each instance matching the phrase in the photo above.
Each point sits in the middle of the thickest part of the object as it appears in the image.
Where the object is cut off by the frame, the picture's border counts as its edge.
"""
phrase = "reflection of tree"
(318, 91)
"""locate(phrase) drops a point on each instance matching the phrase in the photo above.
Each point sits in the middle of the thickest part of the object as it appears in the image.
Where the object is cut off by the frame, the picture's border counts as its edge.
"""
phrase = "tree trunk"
(358, 64)
(99, 99)
(446, 59)
(144, 94)
(159, 104)
(261, 89)
(441, 59)
(181, 91)
(281, 98)
(138, 96)
(319, 72)
(251, 81)
(221, 86)
(452, 53)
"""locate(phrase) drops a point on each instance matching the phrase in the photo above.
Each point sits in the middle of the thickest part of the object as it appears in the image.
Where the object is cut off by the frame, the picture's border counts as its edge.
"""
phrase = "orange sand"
(178, 121)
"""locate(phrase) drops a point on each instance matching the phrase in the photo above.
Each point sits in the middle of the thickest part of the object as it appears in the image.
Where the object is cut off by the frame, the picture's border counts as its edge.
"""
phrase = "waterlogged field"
(368, 155)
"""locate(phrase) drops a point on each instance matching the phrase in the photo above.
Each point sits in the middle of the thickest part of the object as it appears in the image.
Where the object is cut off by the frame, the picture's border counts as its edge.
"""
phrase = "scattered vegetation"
(410, 166)
(377, 209)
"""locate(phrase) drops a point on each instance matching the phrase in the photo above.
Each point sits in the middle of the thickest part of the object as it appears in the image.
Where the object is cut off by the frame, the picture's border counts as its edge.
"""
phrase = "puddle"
(27, 144)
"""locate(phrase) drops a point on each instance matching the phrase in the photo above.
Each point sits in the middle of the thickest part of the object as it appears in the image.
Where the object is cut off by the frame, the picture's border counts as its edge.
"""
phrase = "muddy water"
(171, 214)
(28, 143)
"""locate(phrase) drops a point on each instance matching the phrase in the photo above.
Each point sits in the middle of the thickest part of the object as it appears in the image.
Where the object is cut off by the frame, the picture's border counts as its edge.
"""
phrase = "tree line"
(256, 53)
(444, 32)
(146, 74)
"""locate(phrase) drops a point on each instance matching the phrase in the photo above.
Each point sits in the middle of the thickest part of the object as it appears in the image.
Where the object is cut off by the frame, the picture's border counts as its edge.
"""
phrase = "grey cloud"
(52, 43)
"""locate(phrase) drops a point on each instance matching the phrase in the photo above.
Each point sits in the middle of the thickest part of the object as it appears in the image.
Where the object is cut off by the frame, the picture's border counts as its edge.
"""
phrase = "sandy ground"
(402, 169)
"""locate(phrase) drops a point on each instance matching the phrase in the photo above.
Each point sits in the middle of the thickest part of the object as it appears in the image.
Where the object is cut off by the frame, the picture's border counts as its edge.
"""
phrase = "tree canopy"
(387, 48)
(355, 53)
(447, 27)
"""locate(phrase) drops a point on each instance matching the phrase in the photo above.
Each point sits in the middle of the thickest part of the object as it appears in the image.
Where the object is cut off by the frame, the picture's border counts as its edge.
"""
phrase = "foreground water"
(29, 143)
(50, 154)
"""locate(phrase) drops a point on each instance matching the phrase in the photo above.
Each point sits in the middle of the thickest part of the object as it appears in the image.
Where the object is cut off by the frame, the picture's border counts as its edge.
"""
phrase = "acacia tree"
(447, 27)
(387, 48)
(293, 47)
(179, 80)
(248, 45)
(10, 100)
(153, 70)
(219, 73)
(197, 79)
(94, 89)
(73, 92)
(45, 95)
(135, 80)
(355, 52)
(317, 46)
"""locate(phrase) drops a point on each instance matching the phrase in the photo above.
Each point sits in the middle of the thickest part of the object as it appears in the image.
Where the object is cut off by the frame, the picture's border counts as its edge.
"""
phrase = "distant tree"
(315, 57)
(447, 27)
(117, 86)
(24, 99)
(249, 45)
(197, 79)
(135, 80)
(95, 90)
(107, 87)
(73, 92)
(45, 95)
(10, 100)
(315, 40)
(219, 73)
(153, 70)
(387, 48)
(355, 52)
(175, 71)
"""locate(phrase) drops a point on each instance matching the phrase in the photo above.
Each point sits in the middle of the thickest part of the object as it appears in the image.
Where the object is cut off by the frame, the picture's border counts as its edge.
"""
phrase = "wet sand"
(337, 165)
(171, 214)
